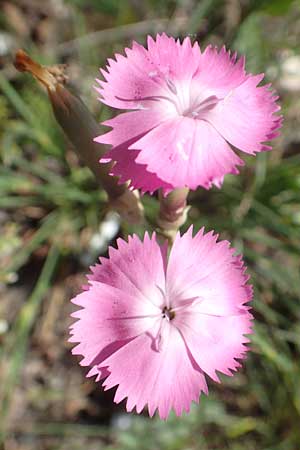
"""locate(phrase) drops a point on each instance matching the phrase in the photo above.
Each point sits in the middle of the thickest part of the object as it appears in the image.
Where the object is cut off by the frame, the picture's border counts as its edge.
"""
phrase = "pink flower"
(189, 108)
(156, 326)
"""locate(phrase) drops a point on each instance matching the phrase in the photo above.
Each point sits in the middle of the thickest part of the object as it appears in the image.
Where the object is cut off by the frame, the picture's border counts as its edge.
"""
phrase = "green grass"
(16, 346)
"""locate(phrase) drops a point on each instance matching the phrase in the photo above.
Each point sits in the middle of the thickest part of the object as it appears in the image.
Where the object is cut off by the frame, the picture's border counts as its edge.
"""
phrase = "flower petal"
(186, 152)
(208, 271)
(131, 125)
(215, 342)
(245, 117)
(136, 268)
(163, 380)
(142, 74)
(219, 71)
(109, 317)
(128, 127)
(122, 299)
(127, 169)
(175, 60)
(126, 81)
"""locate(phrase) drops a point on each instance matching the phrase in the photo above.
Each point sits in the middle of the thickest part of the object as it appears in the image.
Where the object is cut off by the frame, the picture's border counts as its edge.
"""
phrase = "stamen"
(168, 313)
(171, 86)
(205, 105)
(187, 303)
(154, 98)
(194, 110)
(147, 316)
(164, 296)
(158, 340)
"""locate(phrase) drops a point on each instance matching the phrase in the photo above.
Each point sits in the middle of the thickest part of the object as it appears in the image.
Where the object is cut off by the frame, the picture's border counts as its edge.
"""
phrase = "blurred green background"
(54, 223)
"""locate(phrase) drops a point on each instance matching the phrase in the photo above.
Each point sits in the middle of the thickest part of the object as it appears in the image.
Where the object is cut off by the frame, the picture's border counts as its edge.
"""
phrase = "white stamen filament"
(187, 304)
(194, 110)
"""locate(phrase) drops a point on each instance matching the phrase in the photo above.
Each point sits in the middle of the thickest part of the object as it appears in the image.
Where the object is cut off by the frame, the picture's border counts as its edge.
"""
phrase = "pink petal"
(174, 60)
(136, 268)
(128, 127)
(186, 152)
(98, 372)
(215, 342)
(219, 72)
(122, 300)
(127, 169)
(208, 271)
(109, 318)
(245, 118)
(141, 73)
(163, 380)
(131, 125)
(126, 82)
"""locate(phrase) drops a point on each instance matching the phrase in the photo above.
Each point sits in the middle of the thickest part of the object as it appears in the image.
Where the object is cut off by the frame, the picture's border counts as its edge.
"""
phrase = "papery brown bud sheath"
(80, 127)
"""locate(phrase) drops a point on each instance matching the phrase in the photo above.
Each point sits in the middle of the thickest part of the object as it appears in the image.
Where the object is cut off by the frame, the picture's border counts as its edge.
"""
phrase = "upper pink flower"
(188, 107)
(155, 326)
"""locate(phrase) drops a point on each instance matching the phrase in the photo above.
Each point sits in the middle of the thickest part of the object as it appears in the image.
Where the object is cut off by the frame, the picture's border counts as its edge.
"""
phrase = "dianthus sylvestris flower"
(155, 326)
(186, 108)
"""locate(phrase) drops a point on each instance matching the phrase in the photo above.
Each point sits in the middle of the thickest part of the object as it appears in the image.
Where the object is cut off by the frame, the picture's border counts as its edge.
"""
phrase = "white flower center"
(184, 97)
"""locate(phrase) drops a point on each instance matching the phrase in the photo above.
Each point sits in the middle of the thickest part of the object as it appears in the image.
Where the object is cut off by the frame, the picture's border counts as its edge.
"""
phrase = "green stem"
(172, 213)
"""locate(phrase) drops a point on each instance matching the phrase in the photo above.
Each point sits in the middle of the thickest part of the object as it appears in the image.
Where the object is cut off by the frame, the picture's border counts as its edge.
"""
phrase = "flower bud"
(80, 127)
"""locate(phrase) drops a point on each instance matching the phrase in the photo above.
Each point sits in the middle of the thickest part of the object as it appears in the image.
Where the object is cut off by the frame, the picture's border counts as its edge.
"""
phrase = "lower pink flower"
(155, 326)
